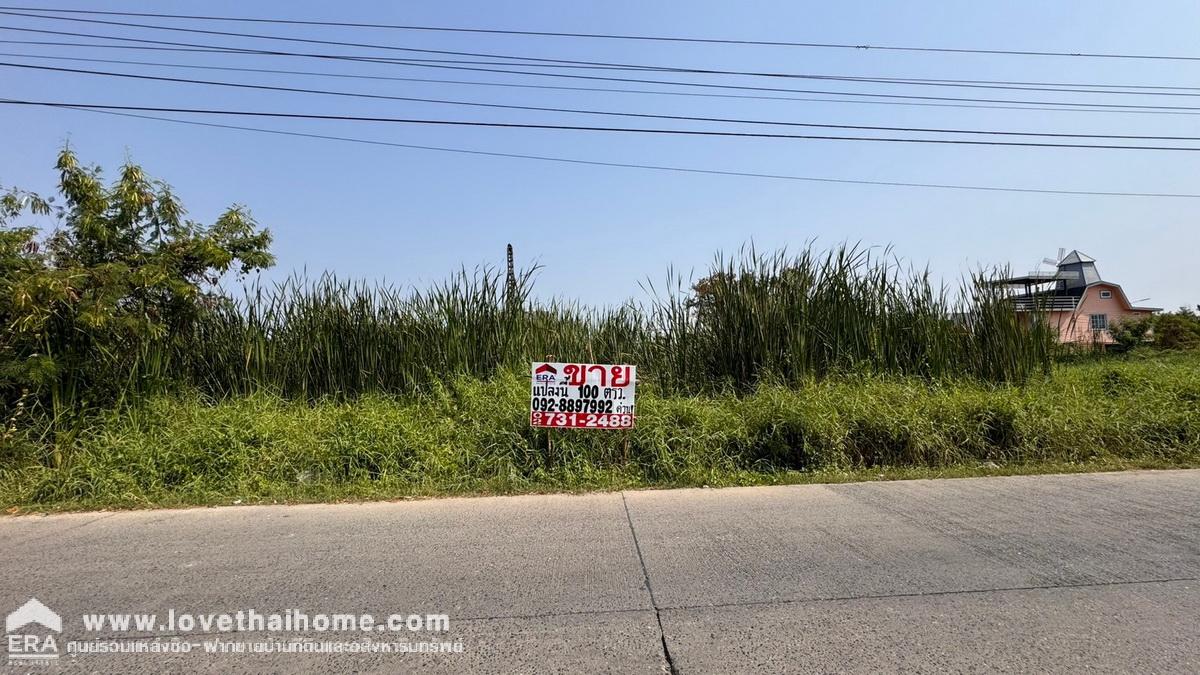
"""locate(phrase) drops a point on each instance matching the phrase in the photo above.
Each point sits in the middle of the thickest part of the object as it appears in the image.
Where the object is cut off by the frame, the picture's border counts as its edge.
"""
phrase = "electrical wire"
(569, 127)
(1071, 104)
(838, 78)
(612, 36)
(650, 167)
(577, 111)
(515, 84)
(1021, 84)
(538, 61)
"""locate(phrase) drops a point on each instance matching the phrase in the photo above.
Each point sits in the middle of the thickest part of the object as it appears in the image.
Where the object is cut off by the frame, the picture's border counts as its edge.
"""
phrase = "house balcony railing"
(1025, 303)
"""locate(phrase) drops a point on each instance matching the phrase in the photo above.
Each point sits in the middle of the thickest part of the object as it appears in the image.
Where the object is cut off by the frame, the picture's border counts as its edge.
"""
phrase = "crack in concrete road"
(666, 649)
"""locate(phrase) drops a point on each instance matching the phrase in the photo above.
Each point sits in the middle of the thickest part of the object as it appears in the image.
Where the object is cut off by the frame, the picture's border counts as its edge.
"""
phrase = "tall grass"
(473, 435)
(754, 317)
(333, 337)
(793, 318)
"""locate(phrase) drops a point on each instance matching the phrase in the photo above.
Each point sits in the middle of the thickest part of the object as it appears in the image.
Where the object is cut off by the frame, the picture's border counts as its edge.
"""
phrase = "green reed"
(778, 317)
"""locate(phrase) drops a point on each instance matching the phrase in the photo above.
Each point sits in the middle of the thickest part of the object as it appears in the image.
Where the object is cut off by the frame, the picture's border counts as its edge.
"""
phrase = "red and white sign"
(582, 395)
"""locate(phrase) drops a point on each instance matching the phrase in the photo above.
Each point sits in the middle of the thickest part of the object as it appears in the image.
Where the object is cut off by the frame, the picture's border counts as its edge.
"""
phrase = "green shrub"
(1177, 330)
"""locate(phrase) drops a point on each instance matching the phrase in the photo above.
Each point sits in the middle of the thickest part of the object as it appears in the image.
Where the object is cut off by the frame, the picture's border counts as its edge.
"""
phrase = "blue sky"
(411, 216)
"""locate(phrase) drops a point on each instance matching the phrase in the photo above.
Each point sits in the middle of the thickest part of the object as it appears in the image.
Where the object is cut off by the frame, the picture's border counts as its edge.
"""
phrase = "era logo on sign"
(27, 647)
(545, 373)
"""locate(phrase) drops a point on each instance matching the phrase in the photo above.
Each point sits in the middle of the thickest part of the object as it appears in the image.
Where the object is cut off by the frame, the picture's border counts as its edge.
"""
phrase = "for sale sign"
(582, 395)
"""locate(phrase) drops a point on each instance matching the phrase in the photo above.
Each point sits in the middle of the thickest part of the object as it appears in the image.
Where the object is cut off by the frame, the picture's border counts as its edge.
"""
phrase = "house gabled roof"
(1124, 297)
(1076, 257)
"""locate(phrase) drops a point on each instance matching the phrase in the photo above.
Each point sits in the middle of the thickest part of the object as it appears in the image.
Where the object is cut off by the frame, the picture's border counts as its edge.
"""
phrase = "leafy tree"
(82, 304)
(1132, 332)
(1172, 330)
(1178, 330)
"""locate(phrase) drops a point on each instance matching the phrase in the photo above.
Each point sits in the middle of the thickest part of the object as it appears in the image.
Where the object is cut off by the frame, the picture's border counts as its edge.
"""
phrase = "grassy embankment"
(470, 435)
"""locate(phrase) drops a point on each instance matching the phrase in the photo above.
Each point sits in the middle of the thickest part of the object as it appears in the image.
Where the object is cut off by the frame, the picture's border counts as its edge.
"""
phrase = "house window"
(1105, 295)
(1099, 321)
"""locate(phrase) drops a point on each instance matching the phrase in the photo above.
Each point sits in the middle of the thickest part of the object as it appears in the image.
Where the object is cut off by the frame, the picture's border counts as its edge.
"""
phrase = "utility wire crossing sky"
(926, 104)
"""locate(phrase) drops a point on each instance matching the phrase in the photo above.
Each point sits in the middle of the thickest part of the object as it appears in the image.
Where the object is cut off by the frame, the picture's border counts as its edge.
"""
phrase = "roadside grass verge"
(471, 436)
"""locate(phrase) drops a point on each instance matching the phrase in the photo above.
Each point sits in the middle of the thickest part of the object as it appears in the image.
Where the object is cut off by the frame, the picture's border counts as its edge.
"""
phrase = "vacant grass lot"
(472, 436)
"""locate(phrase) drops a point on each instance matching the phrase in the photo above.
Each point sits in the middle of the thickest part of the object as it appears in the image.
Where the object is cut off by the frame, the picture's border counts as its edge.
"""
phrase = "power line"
(610, 113)
(642, 166)
(1082, 106)
(538, 61)
(523, 85)
(653, 167)
(570, 127)
(389, 47)
(216, 49)
(390, 78)
(1093, 87)
(613, 36)
(978, 84)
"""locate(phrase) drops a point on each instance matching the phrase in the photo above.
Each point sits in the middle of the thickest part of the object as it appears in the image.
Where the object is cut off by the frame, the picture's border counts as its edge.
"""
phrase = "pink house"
(1075, 300)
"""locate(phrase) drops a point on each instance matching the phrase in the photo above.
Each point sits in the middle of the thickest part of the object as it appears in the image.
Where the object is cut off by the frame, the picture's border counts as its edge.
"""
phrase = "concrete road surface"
(1036, 574)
